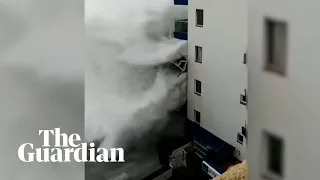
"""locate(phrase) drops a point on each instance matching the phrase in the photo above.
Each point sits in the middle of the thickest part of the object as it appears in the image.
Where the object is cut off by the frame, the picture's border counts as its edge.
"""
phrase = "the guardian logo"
(67, 150)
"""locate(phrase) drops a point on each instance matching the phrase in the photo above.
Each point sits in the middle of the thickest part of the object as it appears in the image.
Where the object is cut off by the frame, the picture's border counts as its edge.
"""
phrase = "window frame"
(195, 87)
(198, 52)
(275, 61)
(199, 12)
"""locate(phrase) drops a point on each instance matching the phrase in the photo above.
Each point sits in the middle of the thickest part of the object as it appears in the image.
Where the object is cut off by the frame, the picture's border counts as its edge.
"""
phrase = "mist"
(127, 87)
(41, 82)
(130, 91)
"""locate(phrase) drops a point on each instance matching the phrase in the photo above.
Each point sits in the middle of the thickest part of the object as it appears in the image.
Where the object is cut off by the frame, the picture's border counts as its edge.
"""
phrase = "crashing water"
(129, 90)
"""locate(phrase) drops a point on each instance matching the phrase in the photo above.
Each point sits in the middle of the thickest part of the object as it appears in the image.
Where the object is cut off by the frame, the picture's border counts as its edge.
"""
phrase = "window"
(197, 87)
(272, 149)
(197, 116)
(245, 58)
(199, 17)
(244, 131)
(243, 98)
(275, 46)
(240, 138)
(198, 54)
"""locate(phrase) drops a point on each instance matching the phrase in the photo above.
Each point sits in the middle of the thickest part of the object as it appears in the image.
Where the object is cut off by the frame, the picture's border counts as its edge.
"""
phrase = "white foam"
(126, 40)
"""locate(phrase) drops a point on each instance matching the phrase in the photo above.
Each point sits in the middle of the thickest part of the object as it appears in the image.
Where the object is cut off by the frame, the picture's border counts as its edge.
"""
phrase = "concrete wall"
(223, 38)
(287, 106)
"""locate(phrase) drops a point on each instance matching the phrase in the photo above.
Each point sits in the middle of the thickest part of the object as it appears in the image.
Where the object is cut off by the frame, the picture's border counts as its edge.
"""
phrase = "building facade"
(283, 88)
(217, 71)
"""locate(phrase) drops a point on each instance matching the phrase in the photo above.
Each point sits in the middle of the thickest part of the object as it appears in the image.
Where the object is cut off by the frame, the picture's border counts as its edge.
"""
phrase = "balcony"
(181, 29)
(180, 2)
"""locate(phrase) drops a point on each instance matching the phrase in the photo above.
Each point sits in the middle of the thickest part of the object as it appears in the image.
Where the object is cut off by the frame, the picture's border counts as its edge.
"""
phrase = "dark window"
(198, 54)
(275, 46)
(199, 17)
(197, 116)
(273, 156)
(240, 138)
(244, 58)
(275, 150)
(243, 98)
(197, 87)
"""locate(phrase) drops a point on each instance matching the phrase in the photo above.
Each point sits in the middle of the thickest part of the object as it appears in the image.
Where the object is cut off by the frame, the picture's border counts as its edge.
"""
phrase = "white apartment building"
(217, 74)
(283, 89)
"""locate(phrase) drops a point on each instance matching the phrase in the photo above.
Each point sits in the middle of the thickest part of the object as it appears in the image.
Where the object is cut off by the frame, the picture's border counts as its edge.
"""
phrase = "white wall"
(223, 75)
(287, 106)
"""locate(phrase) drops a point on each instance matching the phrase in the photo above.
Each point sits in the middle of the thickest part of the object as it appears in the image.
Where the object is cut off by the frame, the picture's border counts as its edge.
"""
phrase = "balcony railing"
(181, 29)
